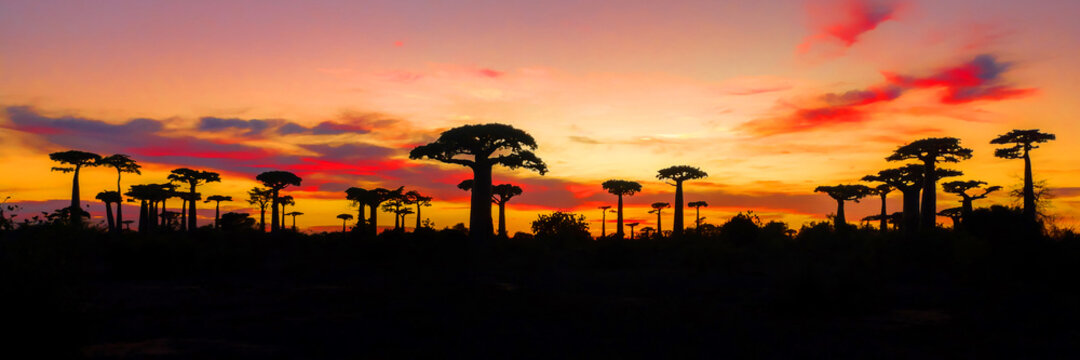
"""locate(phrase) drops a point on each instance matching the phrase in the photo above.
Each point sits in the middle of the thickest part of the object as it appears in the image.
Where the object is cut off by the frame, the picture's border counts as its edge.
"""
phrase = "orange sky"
(771, 99)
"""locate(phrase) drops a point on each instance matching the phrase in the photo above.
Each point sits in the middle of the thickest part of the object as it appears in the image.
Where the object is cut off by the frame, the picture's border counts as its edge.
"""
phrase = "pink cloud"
(847, 20)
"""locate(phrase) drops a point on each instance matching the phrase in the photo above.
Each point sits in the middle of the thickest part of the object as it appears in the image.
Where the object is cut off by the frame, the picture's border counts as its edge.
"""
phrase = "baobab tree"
(909, 180)
(882, 191)
(646, 231)
(620, 188)
(284, 201)
(697, 205)
(75, 160)
(658, 208)
(277, 181)
(931, 151)
(185, 199)
(394, 206)
(500, 195)
(142, 194)
(359, 197)
(1023, 142)
(960, 188)
(480, 147)
(678, 174)
(632, 225)
(956, 214)
(344, 218)
(415, 198)
(193, 178)
(217, 199)
(603, 220)
(842, 193)
(262, 198)
(109, 198)
(123, 164)
(294, 214)
(402, 213)
(372, 199)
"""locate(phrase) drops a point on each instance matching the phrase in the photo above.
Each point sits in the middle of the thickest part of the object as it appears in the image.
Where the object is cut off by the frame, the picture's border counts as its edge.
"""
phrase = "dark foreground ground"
(851, 295)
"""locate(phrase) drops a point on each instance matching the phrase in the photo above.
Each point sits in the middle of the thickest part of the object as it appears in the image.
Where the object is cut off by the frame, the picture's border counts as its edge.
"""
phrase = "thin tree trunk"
(659, 229)
(217, 215)
(193, 223)
(417, 217)
(1029, 189)
(883, 225)
(697, 218)
(619, 222)
(677, 223)
(928, 213)
(840, 221)
(109, 217)
(119, 205)
(502, 219)
(183, 214)
(144, 221)
(262, 217)
(343, 225)
(76, 209)
(603, 222)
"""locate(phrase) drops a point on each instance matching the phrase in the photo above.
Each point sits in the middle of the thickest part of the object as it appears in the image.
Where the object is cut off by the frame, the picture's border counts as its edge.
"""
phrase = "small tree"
(842, 193)
(123, 164)
(76, 161)
(193, 178)
(931, 151)
(415, 198)
(344, 218)
(620, 188)
(480, 147)
(294, 214)
(697, 205)
(276, 181)
(632, 225)
(217, 199)
(1023, 142)
(955, 214)
(678, 174)
(960, 188)
(109, 198)
(603, 219)
(658, 208)
(262, 198)
(561, 226)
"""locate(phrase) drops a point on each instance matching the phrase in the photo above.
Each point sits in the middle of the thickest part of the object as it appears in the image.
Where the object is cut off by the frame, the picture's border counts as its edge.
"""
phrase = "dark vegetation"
(999, 283)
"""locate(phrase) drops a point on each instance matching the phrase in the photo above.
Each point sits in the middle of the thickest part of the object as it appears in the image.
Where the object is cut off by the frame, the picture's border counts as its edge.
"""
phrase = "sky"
(771, 99)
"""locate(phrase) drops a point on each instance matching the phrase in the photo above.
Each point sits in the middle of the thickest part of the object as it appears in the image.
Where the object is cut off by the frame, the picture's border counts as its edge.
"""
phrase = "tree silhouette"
(294, 214)
(76, 161)
(882, 191)
(159, 193)
(909, 180)
(697, 205)
(620, 188)
(393, 205)
(415, 198)
(109, 198)
(956, 214)
(402, 213)
(961, 188)
(142, 194)
(261, 197)
(603, 219)
(1023, 142)
(646, 231)
(276, 181)
(344, 218)
(217, 199)
(632, 225)
(931, 151)
(284, 201)
(123, 164)
(658, 208)
(678, 174)
(842, 193)
(360, 198)
(482, 147)
(372, 198)
(193, 178)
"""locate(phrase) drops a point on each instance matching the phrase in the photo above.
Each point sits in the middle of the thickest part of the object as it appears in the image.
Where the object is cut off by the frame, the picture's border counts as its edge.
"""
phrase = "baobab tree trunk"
(910, 221)
(360, 219)
(480, 207)
(697, 218)
(109, 217)
(343, 225)
(659, 229)
(294, 223)
(164, 219)
(677, 223)
(619, 222)
(839, 221)
(883, 225)
(928, 213)
(1029, 189)
(502, 219)
(373, 227)
(282, 223)
(417, 217)
(119, 205)
(76, 209)
(603, 222)
(274, 212)
(192, 222)
(397, 221)
(183, 214)
(144, 221)
(217, 215)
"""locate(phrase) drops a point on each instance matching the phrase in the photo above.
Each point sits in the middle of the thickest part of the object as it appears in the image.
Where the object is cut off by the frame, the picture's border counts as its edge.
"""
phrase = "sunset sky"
(771, 98)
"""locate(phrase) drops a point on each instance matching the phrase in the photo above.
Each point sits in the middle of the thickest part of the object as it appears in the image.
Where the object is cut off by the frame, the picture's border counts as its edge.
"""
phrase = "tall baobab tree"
(480, 147)
(123, 164)
(109, 198)
(217, 199)
(277, 181)
(697, 205)
(402, 213)
(284, 201)
(415, 198)
(1023, 142)
(294, 214)
(882, 191)
(193, 178)
(372, 199)
(500, 195)
(620, 188)
(658, 208)
(262, 198)
(678, 174)
(344, 218)
(632, 225)
(142, 194)
(842, 193)
(603, 220)
(185, 199)
(75, 160)
(359, 197)
(960, 188)
(931, 151)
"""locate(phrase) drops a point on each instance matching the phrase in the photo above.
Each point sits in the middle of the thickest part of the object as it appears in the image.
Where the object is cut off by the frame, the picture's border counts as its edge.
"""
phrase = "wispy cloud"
(844, 21)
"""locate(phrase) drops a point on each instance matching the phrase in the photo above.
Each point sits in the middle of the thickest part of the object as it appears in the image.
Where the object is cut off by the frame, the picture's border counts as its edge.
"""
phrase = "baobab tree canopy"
(621, 187)
(945, 149)
(1022, 140)
(486, 144)
(278, 179)
(846, 192)
(75, 158)
(680, 173)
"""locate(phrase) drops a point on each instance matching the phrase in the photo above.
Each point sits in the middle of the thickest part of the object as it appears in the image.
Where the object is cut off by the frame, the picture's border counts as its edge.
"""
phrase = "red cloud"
(977, 80)
(485, 72)
(851, 20)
